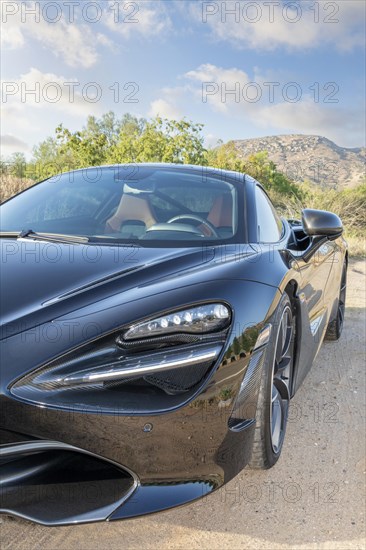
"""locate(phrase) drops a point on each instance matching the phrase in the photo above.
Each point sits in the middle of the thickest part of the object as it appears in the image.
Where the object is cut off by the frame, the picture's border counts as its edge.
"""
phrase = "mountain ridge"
(310, 157)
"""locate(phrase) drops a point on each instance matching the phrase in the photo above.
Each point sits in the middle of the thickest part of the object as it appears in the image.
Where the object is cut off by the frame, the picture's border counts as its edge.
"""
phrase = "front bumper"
(164, 458)
(107, 467)
(57, 484)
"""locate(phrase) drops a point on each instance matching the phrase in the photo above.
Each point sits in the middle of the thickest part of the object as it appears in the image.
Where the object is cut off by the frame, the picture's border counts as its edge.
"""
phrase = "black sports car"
(156, 320)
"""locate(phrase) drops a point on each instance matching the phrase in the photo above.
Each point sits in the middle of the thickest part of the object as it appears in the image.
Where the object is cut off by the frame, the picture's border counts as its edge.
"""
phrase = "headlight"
(196, 320)
(130, 370)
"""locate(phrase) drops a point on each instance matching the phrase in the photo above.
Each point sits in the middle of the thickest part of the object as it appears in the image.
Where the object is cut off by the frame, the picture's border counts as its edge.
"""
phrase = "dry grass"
(356, 246)
(352, 212)
(348, 205)
(10, 185)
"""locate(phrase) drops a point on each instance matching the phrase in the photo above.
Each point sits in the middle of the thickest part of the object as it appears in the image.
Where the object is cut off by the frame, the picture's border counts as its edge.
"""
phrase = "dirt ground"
(314, 498)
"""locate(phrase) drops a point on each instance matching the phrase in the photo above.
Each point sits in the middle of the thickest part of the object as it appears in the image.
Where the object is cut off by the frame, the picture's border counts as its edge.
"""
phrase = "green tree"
(17, 165)
(4, 168)
(84, 148)
(111, 140)
(257, 165)
(46, 160)
(236, 346)
(225, 157)
(160, 140)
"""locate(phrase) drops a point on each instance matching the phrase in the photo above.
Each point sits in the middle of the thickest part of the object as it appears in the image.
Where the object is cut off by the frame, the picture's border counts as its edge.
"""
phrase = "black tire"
(335, 327)
(272, 408)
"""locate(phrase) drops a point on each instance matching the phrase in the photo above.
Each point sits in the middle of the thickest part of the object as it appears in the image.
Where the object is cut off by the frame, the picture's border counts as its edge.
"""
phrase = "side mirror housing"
(320, 223)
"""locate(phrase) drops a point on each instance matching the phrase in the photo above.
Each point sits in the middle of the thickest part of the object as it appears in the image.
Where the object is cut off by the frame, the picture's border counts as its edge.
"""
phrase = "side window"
(269, 224)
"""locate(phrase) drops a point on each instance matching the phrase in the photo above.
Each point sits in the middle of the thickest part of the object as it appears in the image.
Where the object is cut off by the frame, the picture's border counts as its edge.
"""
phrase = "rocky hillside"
(313, 158)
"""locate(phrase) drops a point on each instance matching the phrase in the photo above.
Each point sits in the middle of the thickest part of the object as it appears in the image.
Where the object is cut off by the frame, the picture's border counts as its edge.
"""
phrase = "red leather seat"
(130, 208)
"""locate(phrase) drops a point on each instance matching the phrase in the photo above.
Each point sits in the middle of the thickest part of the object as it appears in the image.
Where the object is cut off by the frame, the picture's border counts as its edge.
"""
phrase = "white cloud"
(12, 143)
(14, 119)
(230, 93)
(40, 90)
(37, 102)
(165, 109)
(75, 43)
(11, 37)
(295, 25)
(172, 102)
(211, 140)
(145, 18)
(216, 84)
(343, 126)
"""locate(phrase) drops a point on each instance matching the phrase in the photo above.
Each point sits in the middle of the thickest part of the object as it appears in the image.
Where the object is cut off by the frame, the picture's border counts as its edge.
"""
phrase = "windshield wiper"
(57, 237)
(9, 234)
(53, 237)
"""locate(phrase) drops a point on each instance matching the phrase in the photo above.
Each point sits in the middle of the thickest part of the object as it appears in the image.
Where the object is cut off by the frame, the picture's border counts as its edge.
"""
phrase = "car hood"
(42, 280)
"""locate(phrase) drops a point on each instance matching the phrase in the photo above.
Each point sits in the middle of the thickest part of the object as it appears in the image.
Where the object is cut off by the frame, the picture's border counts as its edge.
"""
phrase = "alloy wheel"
(342, 298)
(281, 379)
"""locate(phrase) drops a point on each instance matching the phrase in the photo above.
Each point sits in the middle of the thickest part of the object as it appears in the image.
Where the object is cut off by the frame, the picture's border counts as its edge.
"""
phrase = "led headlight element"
(196, 320)
(103, 374)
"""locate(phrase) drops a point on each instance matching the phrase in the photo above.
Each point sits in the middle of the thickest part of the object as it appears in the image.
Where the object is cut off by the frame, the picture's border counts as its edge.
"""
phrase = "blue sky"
(244, 69)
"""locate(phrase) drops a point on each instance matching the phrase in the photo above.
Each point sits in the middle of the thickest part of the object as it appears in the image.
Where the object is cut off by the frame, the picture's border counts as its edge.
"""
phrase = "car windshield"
(130, 204)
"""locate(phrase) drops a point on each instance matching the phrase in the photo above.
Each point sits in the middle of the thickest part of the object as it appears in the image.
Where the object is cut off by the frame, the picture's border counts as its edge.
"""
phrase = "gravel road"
(314, 498)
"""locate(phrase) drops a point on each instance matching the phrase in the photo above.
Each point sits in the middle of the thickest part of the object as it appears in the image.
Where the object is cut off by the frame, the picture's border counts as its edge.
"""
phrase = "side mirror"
(320, 223)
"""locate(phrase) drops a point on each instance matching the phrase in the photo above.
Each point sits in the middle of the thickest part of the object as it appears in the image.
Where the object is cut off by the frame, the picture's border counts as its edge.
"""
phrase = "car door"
(312, 275)
(313, 305)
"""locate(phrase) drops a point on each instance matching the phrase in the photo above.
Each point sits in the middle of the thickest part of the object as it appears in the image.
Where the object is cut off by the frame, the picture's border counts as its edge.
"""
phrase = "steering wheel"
(195, 218)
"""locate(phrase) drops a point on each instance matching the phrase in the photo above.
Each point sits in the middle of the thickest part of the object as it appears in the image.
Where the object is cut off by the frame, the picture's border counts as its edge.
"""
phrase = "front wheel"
(275, 389)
